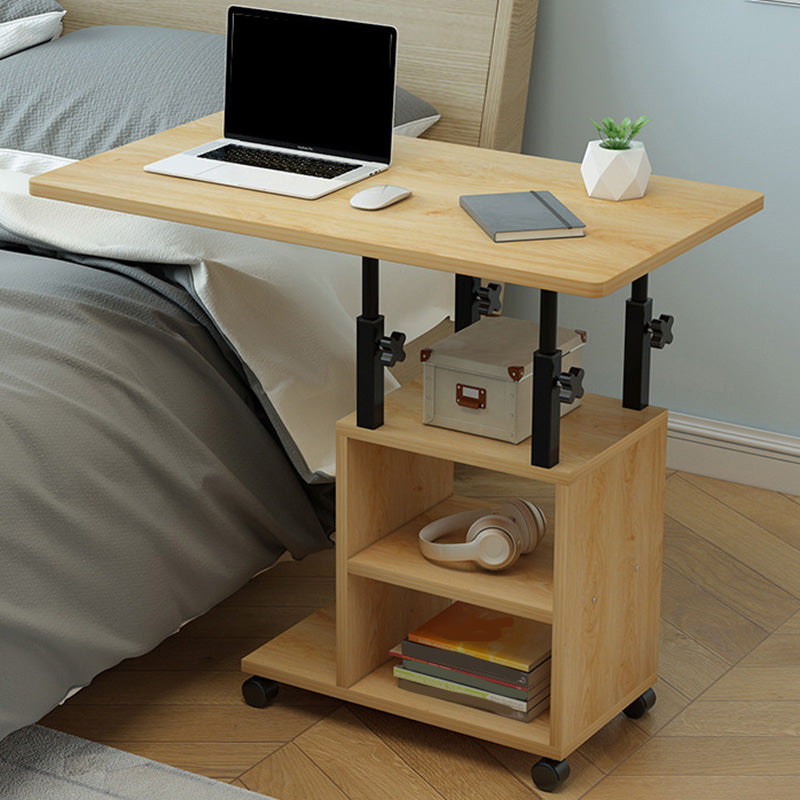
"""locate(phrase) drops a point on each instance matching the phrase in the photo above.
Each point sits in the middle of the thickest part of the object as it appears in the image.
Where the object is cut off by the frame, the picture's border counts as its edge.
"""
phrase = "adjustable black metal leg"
(466, 307)
(369, 331)
(636, 369)
(374, 351)
(546, 387)
(642, 333)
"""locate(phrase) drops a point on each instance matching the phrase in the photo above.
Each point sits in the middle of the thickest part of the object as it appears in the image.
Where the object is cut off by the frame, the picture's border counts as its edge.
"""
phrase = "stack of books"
(479, 658)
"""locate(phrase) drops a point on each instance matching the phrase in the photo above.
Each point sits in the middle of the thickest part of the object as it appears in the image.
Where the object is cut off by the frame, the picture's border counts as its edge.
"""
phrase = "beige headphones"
(495, 537)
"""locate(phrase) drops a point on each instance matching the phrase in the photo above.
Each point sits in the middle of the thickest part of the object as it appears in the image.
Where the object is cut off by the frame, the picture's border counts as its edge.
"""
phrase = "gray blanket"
(139, 481)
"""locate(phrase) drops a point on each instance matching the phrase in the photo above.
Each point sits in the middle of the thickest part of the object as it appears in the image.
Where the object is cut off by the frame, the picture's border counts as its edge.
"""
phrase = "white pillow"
(20, 34)
(417, 127)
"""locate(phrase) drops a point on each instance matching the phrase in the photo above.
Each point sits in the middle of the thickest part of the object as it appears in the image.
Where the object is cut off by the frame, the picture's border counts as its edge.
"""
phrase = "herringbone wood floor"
(726, 724)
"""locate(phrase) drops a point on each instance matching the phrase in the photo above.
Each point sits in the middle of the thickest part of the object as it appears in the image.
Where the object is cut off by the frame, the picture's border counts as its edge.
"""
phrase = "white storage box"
(480, 380)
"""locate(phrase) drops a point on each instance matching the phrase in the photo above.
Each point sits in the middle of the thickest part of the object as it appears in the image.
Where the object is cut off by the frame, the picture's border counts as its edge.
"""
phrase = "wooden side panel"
(509, 75)
(375, 617)
(607, 588)
(378, 490)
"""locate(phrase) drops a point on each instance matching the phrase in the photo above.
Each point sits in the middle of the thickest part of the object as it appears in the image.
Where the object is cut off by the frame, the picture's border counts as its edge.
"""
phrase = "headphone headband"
(495, 537)
(443, 526)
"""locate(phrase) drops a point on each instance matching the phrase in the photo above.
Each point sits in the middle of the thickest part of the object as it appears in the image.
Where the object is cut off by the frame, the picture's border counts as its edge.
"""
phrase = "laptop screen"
(310, 83)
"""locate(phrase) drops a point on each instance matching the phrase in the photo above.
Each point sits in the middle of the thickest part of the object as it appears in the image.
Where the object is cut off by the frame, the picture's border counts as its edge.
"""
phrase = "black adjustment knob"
(661, 330)
(390, 349)
(488, 299)
(571, 384)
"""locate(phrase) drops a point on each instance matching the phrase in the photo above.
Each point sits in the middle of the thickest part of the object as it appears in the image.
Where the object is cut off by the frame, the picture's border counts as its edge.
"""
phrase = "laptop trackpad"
(222, 173)
(192, 167)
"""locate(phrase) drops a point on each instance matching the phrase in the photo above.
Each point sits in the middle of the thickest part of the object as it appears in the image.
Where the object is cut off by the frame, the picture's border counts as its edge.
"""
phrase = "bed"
(155, 453)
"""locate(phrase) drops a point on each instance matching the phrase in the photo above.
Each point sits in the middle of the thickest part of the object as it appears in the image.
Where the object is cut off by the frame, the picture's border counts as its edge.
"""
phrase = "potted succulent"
(615, 167)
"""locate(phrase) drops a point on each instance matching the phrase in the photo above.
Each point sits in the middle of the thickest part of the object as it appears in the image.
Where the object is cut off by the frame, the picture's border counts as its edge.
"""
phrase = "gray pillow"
(25, 23)
(98, 88)
(412, 115)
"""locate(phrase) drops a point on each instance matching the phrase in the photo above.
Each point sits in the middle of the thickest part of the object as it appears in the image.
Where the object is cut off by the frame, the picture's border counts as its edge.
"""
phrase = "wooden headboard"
(470, 58)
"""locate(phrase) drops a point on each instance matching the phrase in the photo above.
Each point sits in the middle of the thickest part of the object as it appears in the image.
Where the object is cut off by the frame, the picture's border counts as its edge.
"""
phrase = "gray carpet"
(37, 763)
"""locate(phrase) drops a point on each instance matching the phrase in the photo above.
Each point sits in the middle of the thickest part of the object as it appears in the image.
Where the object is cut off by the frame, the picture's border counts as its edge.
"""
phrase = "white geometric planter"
(615, 174)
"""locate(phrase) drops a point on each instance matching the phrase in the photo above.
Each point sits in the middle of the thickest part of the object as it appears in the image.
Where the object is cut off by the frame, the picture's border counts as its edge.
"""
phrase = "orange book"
(491, 635)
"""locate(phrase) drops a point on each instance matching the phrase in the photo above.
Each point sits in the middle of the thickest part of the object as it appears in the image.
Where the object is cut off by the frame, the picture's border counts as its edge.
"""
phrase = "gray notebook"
(515, 216)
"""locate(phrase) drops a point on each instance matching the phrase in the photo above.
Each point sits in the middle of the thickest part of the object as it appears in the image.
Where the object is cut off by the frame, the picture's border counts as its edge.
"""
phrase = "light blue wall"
(720, 80)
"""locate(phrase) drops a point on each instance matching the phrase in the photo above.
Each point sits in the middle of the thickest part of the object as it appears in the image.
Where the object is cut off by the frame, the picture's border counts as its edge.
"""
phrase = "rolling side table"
(596, 578)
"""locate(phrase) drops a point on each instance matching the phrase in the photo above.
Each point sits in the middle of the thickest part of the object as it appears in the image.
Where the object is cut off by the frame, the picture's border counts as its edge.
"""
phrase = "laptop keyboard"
(284, 162)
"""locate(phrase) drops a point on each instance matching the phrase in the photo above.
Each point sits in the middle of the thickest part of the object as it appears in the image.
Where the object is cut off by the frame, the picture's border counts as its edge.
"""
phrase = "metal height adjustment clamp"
(488, 298)
(390, 349)
(571, 385)
(661, 331)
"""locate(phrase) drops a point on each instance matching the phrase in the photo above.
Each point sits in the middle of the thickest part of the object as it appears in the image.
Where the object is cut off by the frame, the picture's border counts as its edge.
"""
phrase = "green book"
(478, 700)
(460, 689)
(518, 216)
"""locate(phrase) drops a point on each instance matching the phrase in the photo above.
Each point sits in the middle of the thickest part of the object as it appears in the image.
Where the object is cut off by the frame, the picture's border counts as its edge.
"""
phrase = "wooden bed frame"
(470, 58)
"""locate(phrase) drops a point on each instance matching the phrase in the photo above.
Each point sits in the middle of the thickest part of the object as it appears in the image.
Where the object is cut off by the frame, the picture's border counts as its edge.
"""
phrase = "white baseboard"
(734, 453)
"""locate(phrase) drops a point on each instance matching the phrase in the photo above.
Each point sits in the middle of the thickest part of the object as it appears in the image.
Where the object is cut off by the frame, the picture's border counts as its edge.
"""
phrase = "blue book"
(518, 216)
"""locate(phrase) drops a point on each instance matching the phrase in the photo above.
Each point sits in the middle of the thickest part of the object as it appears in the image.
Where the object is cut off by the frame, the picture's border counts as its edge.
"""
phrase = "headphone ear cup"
(539, 520)
(496, 547)
(529, 521)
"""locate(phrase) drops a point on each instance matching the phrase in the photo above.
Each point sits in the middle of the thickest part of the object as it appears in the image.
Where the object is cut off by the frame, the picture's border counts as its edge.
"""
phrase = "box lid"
(497, 346)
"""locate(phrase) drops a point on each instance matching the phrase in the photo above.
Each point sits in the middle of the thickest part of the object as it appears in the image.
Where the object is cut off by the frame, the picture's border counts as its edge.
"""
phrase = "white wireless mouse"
(375, 197)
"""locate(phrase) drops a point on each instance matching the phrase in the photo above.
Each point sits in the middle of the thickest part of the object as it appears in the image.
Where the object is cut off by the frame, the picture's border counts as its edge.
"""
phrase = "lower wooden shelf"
(305, 656)
(524, 590)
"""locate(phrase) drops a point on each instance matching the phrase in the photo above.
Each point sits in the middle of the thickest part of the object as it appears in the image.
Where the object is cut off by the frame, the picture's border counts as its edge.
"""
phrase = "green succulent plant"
(618, 136)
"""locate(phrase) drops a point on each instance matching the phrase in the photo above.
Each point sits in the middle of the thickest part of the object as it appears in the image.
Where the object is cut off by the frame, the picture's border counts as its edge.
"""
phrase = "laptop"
(309, 105)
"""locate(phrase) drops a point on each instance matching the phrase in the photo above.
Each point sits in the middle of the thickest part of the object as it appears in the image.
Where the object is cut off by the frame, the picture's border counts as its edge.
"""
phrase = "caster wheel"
(641, 705)
(259, 692)
(548, 774)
